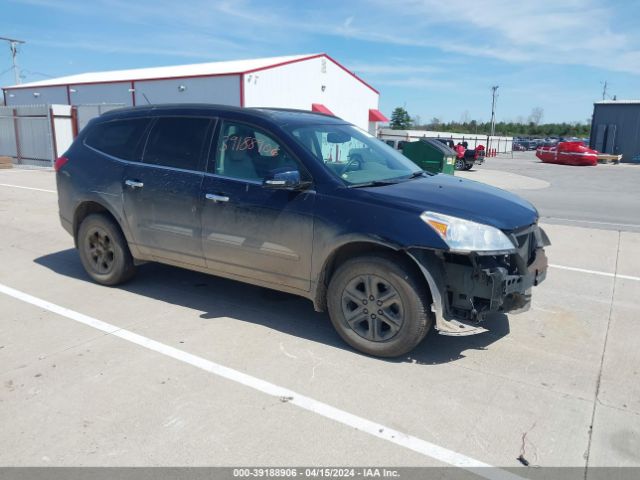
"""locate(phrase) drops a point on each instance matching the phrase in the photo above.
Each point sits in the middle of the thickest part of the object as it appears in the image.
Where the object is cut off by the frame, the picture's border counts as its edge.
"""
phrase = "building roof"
(180, 71)
(173, 71)
(616, 102)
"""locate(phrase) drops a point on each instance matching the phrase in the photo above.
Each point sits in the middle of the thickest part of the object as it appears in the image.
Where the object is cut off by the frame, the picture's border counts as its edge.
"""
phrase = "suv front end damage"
(465, 288)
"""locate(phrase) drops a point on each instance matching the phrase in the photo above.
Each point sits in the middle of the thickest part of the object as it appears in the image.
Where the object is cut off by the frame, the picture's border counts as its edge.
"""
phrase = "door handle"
(216, 198)
(133, 184)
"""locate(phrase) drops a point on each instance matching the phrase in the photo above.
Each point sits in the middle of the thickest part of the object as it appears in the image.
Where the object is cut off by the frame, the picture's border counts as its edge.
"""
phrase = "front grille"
(527, 244)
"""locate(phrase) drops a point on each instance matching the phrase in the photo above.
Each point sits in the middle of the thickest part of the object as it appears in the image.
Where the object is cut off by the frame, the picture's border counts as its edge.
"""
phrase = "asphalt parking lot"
(180, 368)
(604, 196)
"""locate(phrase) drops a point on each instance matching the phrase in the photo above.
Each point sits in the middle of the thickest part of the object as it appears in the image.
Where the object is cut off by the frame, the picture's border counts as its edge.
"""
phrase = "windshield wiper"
(374, 183)
(419, 173)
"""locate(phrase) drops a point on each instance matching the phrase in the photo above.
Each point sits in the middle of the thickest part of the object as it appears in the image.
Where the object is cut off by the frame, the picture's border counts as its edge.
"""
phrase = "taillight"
(59, 163)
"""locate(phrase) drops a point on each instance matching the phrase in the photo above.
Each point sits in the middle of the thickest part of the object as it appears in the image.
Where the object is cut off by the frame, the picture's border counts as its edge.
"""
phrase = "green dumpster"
(431, 155)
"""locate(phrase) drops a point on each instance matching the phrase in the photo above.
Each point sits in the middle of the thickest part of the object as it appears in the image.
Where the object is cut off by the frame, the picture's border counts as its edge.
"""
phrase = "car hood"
(459, 197)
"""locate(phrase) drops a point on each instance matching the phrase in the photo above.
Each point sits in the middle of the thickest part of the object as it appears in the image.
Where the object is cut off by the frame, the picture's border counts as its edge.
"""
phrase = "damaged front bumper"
(465, 288)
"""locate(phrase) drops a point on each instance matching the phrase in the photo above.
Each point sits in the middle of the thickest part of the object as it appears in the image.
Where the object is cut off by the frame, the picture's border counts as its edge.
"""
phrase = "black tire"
(460, 164)
(104, 252)
(379, 332)
(468, 166)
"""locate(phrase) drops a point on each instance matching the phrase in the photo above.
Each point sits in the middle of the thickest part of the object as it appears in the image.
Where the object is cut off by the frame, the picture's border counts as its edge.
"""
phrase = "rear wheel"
(378, 305)
(459, 165)
(104, 252)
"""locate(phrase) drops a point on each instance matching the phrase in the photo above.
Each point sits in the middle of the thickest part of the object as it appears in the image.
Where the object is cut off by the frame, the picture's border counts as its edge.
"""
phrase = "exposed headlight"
(466, 236)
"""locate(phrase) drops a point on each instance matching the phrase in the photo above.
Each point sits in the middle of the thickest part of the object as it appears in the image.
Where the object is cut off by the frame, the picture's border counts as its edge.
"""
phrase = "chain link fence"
(497, 144)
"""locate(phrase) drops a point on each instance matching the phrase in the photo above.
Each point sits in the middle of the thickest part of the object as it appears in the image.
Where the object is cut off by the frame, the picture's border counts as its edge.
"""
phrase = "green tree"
(400, 119)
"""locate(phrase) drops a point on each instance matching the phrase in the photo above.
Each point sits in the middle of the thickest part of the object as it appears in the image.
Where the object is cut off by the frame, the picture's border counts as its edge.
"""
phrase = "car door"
(162, 193)
(249, 230)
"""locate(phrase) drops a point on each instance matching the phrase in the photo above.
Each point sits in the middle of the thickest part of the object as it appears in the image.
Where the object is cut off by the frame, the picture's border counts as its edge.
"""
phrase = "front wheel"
(104, 252)
(460, 164)
(379, 305)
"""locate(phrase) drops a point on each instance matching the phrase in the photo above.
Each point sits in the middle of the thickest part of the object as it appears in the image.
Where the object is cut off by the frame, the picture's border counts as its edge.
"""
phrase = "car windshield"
(354, 155)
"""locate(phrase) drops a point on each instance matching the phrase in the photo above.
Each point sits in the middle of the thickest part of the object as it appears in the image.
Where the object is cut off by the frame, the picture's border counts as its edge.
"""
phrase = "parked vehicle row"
(521, 145)
(304, 203)
(524, 144)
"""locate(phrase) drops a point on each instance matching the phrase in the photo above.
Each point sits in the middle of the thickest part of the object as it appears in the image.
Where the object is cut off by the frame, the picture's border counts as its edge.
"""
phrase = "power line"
(13, 46)
(31, 72)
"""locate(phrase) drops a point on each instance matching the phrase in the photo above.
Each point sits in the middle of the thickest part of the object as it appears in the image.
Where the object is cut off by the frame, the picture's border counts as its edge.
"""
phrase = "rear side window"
(119, 138)
(177, 142)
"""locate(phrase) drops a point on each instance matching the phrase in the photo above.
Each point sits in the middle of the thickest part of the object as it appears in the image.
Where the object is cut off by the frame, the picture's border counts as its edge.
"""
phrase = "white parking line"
(596, 272)
(378, 430)
(26, 188)
(593, 222)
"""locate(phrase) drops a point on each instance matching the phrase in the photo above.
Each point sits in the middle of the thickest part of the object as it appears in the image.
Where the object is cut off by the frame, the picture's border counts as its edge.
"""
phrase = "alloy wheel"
(372, 308)
(100, 251)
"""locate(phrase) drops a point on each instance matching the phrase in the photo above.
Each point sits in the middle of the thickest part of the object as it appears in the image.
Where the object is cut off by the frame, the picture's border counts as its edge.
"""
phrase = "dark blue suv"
(304, 203)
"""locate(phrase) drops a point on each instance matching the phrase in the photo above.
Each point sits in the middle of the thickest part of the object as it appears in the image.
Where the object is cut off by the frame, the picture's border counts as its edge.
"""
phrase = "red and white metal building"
(309, 82)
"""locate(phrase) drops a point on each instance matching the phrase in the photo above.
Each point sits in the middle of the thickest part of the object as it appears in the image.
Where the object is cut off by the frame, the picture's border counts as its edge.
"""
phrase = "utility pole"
(604, 90)
(13, 45)
(494, 95)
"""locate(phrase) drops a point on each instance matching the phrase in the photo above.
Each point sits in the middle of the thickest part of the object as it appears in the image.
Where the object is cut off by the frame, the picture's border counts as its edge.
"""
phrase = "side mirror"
(285, 180)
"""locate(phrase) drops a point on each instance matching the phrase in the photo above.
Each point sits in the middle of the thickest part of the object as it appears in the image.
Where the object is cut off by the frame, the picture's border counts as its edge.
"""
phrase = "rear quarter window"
(177, 142)
(119, 138)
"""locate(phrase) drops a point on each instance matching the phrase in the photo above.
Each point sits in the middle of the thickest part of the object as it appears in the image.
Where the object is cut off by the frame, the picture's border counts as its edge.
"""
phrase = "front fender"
(325, 254)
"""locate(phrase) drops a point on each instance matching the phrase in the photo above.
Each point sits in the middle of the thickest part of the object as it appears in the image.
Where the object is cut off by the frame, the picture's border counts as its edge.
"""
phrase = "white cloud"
(419, 82)
(204, 49)
(399, 67)
(578, 32)
(574, 32)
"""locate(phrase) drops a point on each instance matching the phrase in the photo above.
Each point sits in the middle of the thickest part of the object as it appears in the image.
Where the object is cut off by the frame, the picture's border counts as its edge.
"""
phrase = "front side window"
(177, 142)
(352, 154)
(247, 153)
(119, 138)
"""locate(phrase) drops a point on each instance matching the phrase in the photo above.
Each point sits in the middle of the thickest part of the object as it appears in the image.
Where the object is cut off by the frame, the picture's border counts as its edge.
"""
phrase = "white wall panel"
(222, 89)
(101, 93)
(64, 134)
(25, 96)
(298, 85)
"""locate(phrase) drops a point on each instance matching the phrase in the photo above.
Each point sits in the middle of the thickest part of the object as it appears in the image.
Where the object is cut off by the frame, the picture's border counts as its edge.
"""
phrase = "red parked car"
(568, 153)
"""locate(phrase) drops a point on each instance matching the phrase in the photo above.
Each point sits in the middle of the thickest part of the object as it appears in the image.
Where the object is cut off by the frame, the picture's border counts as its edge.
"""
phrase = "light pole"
(494, 95)
(604, 90)
(13, 45)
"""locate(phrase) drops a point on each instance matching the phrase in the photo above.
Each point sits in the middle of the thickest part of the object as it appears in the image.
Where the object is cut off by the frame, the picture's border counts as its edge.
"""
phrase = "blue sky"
(437, 58)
